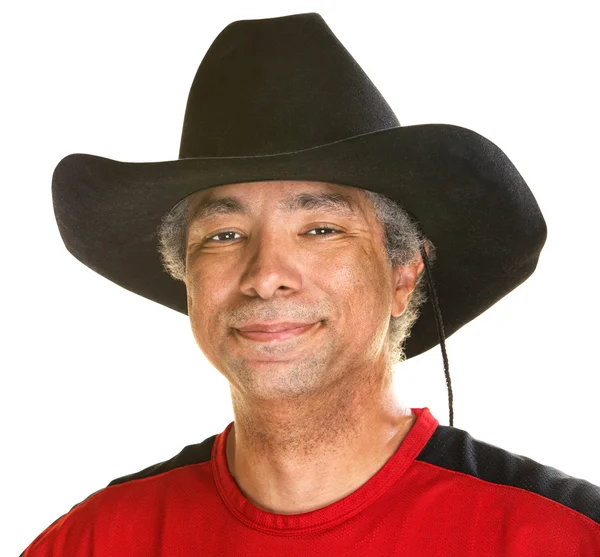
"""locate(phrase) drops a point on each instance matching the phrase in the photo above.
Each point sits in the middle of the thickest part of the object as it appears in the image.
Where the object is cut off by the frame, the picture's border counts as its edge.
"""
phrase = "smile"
(262, 336)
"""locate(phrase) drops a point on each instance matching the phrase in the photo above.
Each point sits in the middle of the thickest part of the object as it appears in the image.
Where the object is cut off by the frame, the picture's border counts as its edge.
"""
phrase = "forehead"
(283, 196)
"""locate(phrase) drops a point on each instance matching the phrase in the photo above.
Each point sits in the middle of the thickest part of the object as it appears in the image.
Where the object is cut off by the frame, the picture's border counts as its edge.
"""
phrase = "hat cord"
(440, 330)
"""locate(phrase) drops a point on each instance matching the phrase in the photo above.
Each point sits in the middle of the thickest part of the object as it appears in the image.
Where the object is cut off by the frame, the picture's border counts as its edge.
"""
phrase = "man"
(296, 228)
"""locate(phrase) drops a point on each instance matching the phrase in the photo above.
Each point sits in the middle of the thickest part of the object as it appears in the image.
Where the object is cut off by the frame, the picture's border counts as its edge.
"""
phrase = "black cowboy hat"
(282, 99)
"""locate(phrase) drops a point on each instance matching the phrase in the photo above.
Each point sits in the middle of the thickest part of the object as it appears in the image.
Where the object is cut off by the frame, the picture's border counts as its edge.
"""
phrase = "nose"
(272, 266)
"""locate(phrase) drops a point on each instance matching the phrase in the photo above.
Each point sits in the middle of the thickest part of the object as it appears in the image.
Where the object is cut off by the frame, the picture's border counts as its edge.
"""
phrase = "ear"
(404, 280)
(188, 294)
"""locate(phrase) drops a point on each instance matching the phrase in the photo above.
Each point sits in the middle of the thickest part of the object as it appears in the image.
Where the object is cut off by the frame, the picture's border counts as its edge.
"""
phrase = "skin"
(316, 415)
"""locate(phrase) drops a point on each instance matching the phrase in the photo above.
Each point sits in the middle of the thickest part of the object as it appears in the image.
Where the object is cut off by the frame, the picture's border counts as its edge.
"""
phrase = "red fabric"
(409, 508)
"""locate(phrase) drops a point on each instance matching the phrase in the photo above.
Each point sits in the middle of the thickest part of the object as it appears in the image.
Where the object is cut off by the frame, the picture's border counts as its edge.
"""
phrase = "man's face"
(308, 257)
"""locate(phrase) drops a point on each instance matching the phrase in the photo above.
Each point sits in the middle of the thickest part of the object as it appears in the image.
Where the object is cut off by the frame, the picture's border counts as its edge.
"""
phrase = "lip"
(273, 327)
(264, 332)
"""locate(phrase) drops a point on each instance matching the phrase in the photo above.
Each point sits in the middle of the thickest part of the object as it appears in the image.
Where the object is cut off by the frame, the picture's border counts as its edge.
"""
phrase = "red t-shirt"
(442, 493)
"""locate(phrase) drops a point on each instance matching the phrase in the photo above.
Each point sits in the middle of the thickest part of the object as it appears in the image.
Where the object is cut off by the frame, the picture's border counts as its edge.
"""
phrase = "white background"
(97, 382)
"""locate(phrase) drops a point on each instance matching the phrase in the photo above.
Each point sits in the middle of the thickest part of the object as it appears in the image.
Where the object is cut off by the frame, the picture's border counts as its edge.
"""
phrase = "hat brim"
(467, 196)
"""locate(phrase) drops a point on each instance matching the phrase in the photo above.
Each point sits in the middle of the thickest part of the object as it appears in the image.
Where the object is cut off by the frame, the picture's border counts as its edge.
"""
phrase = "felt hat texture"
(282, 99)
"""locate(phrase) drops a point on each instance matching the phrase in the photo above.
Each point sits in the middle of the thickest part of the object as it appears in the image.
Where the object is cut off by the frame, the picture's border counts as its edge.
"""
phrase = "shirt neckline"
(328, 516)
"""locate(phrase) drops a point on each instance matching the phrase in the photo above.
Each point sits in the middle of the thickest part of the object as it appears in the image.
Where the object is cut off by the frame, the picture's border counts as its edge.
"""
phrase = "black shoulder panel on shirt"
(192, 454)
(455, 449)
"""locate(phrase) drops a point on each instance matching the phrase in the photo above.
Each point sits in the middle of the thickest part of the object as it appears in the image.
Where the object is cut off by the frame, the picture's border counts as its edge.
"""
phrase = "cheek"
(363, 307)
(363, 268)
(206, 283)
(206, 296)
(205, 310)
(361, 284)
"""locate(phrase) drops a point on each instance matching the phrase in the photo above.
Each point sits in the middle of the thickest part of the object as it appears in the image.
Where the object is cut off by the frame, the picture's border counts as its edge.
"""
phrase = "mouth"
(280, 335)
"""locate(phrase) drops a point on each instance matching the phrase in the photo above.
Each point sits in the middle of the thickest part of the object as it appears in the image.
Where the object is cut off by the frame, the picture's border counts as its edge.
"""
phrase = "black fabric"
(191, 454)
(254, 92)
(455, 449)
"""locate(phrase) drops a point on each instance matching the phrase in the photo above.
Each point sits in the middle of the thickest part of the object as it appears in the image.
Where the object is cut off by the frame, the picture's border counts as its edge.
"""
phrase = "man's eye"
(320, 230)
(228, 235)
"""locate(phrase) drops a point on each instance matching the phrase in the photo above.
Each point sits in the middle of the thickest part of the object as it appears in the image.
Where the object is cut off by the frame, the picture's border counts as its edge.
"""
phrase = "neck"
(296, 456)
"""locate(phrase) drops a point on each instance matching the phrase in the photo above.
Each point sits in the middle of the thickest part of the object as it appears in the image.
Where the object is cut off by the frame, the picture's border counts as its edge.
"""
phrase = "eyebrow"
(331, 201)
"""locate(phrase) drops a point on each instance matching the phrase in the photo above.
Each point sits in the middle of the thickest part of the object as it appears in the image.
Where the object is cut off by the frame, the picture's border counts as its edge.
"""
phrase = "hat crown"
(278, 85)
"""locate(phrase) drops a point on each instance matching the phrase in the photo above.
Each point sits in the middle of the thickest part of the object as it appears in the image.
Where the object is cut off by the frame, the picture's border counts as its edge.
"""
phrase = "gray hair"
(402, 244)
